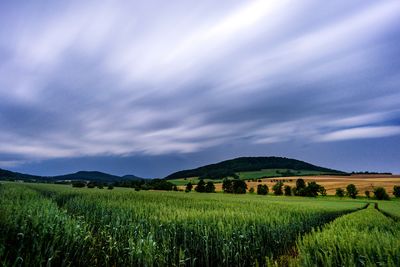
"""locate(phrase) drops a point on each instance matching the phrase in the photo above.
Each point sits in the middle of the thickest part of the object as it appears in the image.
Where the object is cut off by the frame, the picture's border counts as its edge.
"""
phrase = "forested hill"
(245, 164)
(94, 176)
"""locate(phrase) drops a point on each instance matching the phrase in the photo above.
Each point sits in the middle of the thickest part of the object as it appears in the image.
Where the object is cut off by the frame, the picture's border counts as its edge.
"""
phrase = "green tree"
(201, 186)
(288, 190)
(322, 190)
(300, 189)
(262, 189)
(189, 187)
(339, 192)
(239, 186)
(367, 194)
(312, 189)
(210, 187)
(227, 186)
(380, 193)
(110, 187)
(352, 191)
(251, 190)
(277, 188)
(396, 191)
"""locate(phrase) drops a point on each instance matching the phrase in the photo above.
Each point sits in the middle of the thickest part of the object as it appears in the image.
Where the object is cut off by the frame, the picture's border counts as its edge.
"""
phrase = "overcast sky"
(151, 87)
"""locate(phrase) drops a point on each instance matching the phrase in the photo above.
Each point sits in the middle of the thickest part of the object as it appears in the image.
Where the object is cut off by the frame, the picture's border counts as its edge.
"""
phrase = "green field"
(252, 175)
(43, 224)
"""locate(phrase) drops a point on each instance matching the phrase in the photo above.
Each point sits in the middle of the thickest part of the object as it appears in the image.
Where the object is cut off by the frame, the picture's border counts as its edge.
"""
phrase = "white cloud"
(360, 133)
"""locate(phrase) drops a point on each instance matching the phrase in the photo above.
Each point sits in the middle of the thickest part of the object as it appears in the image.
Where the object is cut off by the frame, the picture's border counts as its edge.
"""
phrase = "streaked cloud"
(117, 78)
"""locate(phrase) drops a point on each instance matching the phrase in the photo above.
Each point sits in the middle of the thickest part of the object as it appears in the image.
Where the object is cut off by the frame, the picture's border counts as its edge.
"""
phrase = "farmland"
(46, 224)
(330, 182)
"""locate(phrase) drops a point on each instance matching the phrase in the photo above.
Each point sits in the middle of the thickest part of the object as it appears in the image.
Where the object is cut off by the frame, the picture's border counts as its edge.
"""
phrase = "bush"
(339, 192)
(100, 186)
(352, 191)
(380, 193)
(368, 194)
(262, 189)
(396, 191)
(110, 187)
(288, 190)
(277, 188)
(251, 190)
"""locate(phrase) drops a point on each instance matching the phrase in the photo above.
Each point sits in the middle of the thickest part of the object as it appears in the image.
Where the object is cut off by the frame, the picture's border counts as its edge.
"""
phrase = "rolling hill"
(235, 168)
(94, 176)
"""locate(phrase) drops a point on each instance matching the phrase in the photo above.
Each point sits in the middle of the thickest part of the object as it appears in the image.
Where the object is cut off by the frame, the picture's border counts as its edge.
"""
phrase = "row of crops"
(60, 226)
(363, 238)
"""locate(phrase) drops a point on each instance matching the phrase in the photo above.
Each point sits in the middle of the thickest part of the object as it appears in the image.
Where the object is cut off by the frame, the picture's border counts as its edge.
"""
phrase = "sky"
(151, 87)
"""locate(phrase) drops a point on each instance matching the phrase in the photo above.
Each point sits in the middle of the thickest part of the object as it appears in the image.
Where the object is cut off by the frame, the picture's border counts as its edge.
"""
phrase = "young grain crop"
(94, 227)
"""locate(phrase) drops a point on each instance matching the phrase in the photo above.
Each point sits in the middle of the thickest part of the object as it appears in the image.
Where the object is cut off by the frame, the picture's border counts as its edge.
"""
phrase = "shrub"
(339, 192)
(352, 191)
(288, 190)
(368, 194)
(91, 185)
(380, 193)
(396, 191)
(110, 187)
(322, 190)
(100, 186)
(262, 189)
(251, 190)
(277, 188)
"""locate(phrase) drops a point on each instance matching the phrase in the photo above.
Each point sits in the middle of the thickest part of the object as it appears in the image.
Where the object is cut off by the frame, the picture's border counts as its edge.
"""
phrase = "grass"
(363, 238)
(44, 224)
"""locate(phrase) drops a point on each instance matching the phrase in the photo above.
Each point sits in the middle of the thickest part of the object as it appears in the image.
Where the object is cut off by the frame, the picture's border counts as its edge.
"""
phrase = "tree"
(396, 191)
(277, 188)
(201, 186)
(91, 185)
(78, 184)
(100, 186)
(352, 191)
(210, 187)
(380, 193)
(312, 189)
(262, 189)
(322, 190)
(110, 187)
(300, 187)
(251, 190)
(339, 192)
(288, 190)
(227, 186)
(175, 188)
(189, 187)
(367, 194)
(239, 186)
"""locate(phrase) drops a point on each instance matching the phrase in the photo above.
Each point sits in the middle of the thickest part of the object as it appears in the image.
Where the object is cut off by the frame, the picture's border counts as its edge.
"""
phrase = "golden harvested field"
(363, 182)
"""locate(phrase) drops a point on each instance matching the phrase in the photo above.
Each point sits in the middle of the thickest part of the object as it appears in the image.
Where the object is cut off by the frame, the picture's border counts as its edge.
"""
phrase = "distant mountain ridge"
(78, 176)
(242, 164)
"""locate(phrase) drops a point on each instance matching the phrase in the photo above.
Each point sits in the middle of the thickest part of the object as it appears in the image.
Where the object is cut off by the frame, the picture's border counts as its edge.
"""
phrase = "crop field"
(330, 182)
(57, 225)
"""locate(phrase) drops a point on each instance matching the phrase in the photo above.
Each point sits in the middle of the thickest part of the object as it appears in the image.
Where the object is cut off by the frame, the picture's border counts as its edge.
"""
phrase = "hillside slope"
(245, 164)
